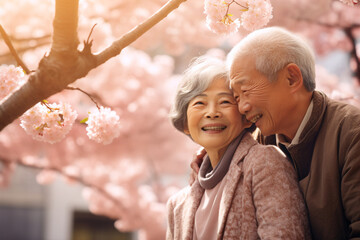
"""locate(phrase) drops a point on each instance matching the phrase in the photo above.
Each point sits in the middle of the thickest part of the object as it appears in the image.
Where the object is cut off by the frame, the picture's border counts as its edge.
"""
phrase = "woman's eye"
(228, 101)
(198, 103)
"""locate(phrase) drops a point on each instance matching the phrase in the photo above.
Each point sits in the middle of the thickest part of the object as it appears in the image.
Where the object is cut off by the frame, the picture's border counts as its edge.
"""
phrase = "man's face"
(261, 101)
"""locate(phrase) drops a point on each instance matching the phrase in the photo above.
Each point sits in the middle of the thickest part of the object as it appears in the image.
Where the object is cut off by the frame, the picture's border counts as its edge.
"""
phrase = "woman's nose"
(212, 112)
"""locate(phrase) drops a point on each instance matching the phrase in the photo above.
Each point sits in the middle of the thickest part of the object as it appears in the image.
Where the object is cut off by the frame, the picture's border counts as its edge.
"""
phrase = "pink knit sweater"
(261, 199)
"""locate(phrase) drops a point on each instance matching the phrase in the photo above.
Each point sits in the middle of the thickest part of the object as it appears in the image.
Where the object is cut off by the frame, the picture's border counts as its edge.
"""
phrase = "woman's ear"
(294, 77)
(186, 130)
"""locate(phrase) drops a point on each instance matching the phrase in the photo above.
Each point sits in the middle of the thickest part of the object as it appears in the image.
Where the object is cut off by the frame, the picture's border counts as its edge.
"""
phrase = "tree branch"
(353, 53)
(73, 177)
(65, 64)
(65, 24)
(7, 56)
(136, 32)
(349, 34)
(45, 37)
(12, 50)
(87, 94)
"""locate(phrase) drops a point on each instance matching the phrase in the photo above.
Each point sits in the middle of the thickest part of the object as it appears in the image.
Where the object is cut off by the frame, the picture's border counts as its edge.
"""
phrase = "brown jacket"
(262, 199)
(327, 161)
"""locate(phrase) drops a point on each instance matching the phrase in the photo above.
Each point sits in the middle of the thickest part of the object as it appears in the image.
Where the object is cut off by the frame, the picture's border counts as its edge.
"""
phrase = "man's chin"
(265, 131)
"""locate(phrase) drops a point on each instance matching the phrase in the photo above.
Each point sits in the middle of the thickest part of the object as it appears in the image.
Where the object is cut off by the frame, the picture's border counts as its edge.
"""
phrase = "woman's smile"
(214, 128)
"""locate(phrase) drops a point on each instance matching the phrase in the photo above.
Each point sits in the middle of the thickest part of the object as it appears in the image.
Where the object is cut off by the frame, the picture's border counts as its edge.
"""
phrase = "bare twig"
(226, 19)
(13, 51)
(88, 43)
(44, 102)
(238, 4)
(45, 37)
(326, 24)
(348, 30)
(89, 95)
(92, 29)
(73, 177)
(23, 49)
(137, 31)
(349, 33)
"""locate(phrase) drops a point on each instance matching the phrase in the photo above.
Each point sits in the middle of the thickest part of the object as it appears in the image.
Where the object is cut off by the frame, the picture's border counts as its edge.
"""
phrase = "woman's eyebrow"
(225, 93)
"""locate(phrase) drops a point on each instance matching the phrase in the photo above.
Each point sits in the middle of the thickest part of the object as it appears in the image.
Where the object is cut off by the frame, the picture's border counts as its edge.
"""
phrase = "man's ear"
(294, 77)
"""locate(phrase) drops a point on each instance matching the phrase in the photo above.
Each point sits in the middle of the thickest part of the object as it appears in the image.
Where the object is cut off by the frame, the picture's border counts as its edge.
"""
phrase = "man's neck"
(301, 117)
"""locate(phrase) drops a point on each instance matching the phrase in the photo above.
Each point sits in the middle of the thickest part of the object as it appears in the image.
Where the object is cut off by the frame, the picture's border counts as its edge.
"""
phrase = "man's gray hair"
(196, 79)
(273, 48)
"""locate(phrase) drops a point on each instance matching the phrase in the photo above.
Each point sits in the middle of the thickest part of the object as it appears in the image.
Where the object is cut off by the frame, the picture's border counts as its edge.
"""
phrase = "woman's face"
(213, 118)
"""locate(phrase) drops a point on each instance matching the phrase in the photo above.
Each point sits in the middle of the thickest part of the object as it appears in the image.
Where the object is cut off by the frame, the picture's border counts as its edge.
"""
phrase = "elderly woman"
(244, 190)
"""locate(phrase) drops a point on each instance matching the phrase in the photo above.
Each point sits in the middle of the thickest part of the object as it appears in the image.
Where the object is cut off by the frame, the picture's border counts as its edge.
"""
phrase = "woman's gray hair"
(196, 79)
(273, 48)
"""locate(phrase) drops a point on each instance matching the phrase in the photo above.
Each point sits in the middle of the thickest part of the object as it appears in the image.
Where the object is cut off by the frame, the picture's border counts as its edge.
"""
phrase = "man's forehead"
(237, 73)
(233, 66)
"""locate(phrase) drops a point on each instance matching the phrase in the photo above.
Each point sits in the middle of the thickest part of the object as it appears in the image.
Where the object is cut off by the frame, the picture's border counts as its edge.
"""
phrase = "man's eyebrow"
(237, 82)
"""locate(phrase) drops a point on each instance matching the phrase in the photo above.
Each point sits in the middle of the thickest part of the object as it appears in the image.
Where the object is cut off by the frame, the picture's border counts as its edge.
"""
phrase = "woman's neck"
(215, 156)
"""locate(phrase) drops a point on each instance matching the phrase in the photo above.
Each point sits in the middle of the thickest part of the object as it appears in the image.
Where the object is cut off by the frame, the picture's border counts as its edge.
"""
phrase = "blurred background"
(78, 189)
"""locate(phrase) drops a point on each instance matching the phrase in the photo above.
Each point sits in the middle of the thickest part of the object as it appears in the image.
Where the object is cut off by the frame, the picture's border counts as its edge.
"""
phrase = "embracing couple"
(280, 159)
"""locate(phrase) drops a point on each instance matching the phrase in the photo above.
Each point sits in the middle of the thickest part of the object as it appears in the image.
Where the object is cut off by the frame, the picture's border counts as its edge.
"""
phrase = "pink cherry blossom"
(103, 125)
(258, 14)
(350, 2)
(6, 170)
(139, 86)
(11, 77)
(218, 18)
(48, 122)
(220, 15)
(46, 177)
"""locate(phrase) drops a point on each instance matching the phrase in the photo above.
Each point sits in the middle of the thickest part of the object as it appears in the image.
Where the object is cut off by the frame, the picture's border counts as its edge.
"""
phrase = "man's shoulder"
(331, 112)
(339, 112)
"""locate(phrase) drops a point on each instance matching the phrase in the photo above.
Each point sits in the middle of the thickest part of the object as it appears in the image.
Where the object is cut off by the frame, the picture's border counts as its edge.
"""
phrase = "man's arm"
(196, 163)
(350, 182)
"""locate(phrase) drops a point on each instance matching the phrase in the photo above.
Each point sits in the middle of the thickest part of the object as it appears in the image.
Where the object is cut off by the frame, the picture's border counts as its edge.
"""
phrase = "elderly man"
(272, 74)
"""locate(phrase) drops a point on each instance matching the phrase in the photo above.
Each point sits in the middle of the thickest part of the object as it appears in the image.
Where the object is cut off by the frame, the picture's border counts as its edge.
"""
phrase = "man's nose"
(243, 107)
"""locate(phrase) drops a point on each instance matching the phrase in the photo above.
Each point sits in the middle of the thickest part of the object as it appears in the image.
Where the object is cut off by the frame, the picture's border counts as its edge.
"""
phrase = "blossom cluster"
(255, 14)
(258, 14)
(48, 122)
(103, 125)
(217, 17)
(51, 122)
(350, 2)
(11, 77)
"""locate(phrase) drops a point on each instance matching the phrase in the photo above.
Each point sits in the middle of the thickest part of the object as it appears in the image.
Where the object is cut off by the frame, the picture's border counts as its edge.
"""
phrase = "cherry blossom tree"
(329, 25)
(104, 90)
(129, 172)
